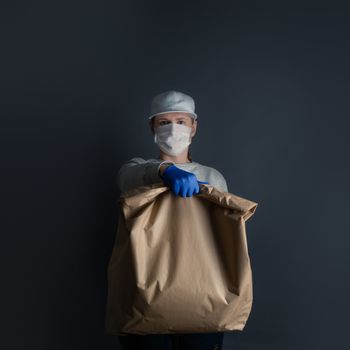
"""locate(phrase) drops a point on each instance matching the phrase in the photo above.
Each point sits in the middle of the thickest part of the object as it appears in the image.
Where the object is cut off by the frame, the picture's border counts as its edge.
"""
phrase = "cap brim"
(193, 115)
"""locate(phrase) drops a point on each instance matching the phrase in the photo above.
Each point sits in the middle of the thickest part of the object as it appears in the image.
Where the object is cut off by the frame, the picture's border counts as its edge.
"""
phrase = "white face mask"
(172, 138)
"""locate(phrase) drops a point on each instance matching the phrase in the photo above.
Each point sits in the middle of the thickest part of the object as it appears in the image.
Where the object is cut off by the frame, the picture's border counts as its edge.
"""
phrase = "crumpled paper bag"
(179, 265)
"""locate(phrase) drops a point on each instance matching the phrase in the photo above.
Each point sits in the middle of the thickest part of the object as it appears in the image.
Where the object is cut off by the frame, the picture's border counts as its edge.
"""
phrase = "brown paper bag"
(179, 265)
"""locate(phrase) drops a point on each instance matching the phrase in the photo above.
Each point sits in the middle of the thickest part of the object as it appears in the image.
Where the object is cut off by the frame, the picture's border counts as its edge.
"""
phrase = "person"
(173, 122)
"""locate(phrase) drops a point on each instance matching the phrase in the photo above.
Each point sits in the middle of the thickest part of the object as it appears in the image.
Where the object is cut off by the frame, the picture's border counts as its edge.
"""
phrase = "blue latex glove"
(180, 181)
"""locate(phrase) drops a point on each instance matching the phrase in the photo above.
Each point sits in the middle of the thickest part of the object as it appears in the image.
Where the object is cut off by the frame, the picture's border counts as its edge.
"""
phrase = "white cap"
(172, 101)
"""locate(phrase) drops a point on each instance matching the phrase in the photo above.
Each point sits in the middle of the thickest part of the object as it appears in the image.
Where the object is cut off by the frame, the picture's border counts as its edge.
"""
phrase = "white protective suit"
(138, 171)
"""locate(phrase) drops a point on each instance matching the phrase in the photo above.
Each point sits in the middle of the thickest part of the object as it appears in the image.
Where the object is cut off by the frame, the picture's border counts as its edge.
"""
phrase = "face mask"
(172, 138)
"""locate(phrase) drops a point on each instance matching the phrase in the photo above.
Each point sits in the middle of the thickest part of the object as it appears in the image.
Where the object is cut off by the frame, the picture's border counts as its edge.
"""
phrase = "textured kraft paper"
(179, 265)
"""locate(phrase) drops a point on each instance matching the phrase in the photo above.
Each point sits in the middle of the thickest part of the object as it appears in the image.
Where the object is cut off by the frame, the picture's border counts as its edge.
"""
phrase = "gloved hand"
(180, 181)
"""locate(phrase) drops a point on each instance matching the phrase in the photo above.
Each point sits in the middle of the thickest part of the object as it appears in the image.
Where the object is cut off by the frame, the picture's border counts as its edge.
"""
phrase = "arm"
(223, 186)
(138, 171)
(218, 181)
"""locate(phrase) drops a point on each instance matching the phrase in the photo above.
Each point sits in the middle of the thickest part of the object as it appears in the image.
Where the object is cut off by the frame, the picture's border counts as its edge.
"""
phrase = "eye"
(163, 122)
(180, 122)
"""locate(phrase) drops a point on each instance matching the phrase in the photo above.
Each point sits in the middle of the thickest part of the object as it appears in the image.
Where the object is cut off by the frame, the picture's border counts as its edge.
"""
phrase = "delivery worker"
(173, 123)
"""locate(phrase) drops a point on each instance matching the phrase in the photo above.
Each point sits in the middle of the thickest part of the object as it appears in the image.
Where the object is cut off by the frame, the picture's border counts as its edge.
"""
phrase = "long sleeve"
(216, 179)
(222, 185)
(138, 171)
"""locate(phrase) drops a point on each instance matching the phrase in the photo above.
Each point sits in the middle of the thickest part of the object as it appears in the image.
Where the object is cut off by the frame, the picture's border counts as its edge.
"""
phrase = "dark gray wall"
(271, 85)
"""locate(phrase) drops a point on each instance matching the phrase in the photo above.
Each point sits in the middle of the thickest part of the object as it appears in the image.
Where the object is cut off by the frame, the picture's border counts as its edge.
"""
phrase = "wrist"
(162, 168)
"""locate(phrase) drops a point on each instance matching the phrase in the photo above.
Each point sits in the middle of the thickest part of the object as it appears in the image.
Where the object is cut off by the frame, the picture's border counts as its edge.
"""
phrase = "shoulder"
(214, 176)
(217, 174)
(211, 170)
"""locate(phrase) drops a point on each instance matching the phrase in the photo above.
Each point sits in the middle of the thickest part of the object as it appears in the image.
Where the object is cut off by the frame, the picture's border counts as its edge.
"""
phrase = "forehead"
(173, 116)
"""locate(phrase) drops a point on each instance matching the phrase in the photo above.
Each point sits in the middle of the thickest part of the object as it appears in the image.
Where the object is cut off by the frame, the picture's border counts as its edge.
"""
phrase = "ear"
(194, 128)
(151, 126)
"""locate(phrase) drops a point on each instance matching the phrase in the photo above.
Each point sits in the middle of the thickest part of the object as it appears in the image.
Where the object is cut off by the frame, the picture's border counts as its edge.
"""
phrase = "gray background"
(271, 84)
